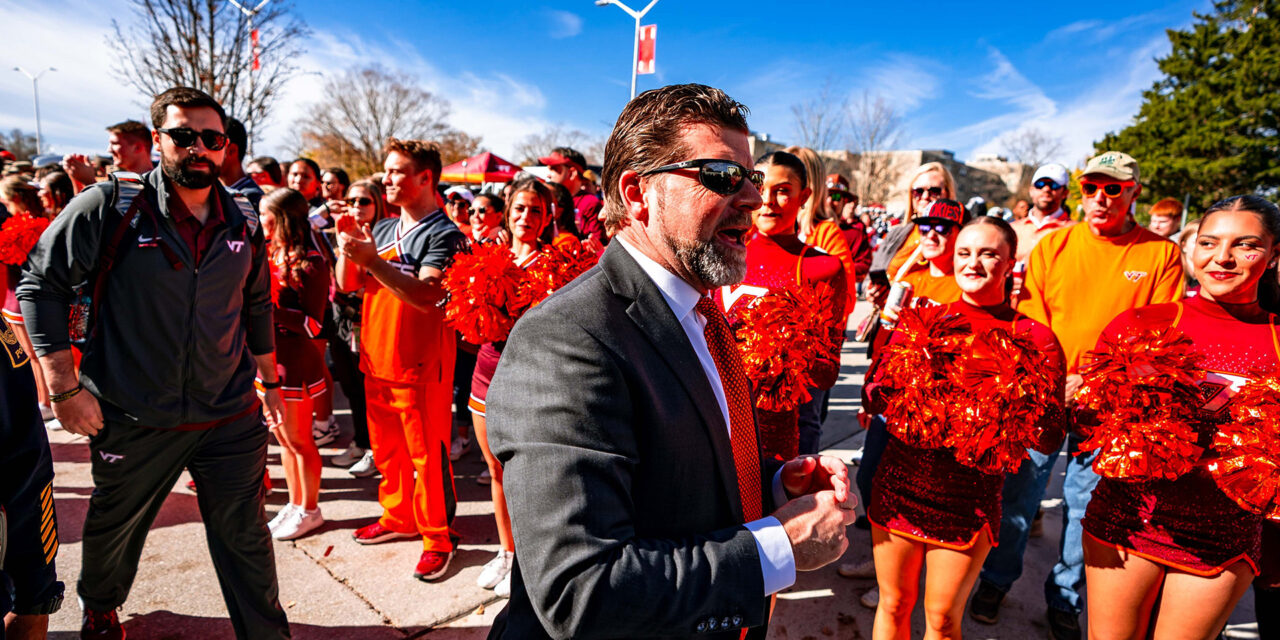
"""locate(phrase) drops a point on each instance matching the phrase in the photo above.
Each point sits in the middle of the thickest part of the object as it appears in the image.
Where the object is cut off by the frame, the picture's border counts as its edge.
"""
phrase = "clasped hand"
(821, 506)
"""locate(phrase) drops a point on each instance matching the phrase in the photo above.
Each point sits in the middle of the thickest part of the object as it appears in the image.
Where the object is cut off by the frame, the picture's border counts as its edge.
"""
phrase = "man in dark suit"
(623, 418)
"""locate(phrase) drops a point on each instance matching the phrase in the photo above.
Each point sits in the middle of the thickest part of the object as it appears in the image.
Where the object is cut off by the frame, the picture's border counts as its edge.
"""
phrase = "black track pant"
(134, 468)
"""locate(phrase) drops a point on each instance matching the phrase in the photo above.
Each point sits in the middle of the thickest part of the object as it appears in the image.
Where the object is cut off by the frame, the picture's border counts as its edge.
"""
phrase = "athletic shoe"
(299, 523)
(503, 590)
(432, 565)
(364, 467)
(484, 478)
(985, 606)
(281, 516)
(853, 569)
(871, 599)
(325, 433)
(1063, 625)
(101, 625)
(376, 533)
(352, 455)
(495, 570)
(458, 448)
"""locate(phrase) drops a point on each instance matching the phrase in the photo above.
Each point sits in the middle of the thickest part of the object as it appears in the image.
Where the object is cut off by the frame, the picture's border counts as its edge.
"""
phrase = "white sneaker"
(349, 457)
(871, 599)
(484, 478)
(853, 569)
(503, 590)
(364, 467)
(299, 523)
(495, 570)
(281, 515)
(325, 433)
(458, 448)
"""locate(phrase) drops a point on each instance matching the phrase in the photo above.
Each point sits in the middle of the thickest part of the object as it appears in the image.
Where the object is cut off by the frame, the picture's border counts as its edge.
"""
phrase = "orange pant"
(409, 426)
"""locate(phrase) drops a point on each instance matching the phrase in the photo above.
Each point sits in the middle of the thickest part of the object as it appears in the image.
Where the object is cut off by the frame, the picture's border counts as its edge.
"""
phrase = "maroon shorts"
(486, 364)
(301, 366)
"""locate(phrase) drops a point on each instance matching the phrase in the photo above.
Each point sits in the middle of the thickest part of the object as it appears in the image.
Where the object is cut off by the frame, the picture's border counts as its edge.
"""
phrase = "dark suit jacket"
(618, 472)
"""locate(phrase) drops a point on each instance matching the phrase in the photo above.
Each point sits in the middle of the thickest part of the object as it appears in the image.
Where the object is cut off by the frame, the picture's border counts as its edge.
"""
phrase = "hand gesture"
(346, 222)
(357, 245)
(80, 414)
(79, 169)
(877, 294)
(812, 473)
(815, 523)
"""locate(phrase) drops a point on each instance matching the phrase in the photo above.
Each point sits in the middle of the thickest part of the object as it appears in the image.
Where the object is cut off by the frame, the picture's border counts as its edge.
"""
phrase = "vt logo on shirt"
(730, 294)
(235, 245)
(1134, 276)
(1217, 389)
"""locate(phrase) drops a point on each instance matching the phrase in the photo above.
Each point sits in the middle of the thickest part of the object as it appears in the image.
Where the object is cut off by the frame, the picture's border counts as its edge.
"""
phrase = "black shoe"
(101, 625)
(862, 523)
(1063, 625)
(985, 606)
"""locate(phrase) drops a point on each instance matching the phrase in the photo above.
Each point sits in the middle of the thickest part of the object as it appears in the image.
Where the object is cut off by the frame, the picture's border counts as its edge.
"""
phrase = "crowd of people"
(185, 313)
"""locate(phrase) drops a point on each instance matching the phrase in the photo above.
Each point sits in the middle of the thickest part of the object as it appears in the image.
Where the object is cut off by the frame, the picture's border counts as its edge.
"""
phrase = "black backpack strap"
(129, 186)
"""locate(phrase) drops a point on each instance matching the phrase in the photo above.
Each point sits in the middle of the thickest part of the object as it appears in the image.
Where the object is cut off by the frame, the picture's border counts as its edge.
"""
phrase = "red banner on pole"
(644, 53)
(253, 39)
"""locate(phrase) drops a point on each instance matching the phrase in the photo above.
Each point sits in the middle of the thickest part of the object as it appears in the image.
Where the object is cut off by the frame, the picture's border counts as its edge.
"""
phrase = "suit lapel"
(650, 312)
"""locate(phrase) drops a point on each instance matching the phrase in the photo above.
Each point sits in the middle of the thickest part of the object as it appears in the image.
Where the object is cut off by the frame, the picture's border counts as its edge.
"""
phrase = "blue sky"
(962, 74)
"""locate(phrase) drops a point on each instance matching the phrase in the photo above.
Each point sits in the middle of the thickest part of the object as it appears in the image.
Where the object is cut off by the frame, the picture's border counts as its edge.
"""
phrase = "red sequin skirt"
(779, 433)
(1187, 524)
(925, 494)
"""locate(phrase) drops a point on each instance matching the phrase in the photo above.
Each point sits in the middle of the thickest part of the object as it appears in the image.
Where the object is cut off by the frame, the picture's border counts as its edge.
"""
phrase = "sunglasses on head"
(920, 191)
(362, 201)
(1111, 189)
(724, 177)
(1046, 183)
(186, 137)
(943, 228)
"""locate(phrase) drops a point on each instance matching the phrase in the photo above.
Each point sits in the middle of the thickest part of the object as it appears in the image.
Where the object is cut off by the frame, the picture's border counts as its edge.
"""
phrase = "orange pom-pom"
(779, 334)
(1142, 386)
(1247, 466)
(914, 371)
(18, 235)
(555, 268)
(482, 285)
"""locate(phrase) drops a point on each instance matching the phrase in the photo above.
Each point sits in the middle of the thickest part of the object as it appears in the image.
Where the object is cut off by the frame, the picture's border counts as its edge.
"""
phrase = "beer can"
(899, 296)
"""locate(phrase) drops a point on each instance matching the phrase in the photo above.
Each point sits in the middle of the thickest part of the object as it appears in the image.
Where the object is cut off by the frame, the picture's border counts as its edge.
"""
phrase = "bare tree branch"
(821, 122)
(537, 145)
(1032, 146)
(875, 128)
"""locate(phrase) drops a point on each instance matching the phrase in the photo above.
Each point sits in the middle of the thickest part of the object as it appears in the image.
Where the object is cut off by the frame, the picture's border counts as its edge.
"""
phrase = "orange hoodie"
(1077, 282)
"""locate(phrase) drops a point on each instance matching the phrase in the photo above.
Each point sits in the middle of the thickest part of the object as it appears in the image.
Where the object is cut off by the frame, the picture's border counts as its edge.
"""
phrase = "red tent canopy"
(485, 167)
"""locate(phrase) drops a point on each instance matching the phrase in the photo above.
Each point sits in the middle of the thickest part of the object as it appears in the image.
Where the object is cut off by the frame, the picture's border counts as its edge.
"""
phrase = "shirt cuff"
(779, 494)
(777, 562)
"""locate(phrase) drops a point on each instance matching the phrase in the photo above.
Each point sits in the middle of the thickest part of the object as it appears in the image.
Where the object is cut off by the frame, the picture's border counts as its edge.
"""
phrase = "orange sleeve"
(1032, 302)
(1171, 282)
(827, 236)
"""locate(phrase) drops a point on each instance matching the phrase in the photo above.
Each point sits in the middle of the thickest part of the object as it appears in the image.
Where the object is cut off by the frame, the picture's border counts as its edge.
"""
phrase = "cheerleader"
(1171, 558)
(778, 259)
(927, 509)
(302, 281)
(528, 212)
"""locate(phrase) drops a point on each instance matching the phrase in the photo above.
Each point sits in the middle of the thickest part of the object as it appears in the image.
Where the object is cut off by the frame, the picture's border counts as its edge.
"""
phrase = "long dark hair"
(1268, 287)
(537, 188)
(564, 214)
(292, 235)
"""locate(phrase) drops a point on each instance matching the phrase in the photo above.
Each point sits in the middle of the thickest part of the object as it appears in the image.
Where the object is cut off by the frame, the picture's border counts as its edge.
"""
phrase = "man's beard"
(711, 262)
(184, 174)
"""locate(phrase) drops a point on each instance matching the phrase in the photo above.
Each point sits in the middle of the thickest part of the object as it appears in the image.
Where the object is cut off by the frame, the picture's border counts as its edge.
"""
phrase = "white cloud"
(902, 79)
(564, 24)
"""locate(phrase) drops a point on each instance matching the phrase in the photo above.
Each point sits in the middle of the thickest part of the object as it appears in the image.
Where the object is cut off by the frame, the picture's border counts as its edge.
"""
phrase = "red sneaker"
(101, 625)
(375, 533)
(432, 565)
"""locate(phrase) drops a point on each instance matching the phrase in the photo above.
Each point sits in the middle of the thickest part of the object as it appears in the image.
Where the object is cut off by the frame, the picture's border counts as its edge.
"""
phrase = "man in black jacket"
(181, 324)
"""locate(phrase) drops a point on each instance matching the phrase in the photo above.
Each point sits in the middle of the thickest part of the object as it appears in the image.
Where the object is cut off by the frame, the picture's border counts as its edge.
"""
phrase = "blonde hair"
(18, 191)
(948, 183)
(813, 209)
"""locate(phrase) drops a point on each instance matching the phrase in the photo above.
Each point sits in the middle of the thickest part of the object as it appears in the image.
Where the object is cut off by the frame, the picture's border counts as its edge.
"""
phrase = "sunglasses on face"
(919, 192)
(186, 137)
(942, 228)
(1111, 189)
(360, 202)
(1046, 183)
(724, 177)
(477, 211)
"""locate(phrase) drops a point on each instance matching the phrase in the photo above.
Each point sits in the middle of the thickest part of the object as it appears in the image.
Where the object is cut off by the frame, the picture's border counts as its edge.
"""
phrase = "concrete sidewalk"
(333, 588)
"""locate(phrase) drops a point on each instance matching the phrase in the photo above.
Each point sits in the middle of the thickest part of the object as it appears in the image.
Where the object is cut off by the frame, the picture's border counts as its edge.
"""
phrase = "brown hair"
(814, 208)
(1167, 207)
(647, 134)
(947, 181)
(17, 190)
(292, 232)
(59, 186)
(133, 130)
(425, 155)
(539, 190)
(185, 97)
(1006, 230)
(374, 189)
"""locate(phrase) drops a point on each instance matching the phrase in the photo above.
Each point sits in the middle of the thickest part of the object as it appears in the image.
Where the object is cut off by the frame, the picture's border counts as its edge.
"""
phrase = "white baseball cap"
(461, 192)
(1054, 172)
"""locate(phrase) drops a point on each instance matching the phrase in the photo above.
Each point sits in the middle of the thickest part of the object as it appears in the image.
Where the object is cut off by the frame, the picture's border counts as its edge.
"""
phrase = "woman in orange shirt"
(932, 181)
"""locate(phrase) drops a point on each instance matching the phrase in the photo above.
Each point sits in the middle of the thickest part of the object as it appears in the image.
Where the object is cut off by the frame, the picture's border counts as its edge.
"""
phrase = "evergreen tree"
(1209, 127)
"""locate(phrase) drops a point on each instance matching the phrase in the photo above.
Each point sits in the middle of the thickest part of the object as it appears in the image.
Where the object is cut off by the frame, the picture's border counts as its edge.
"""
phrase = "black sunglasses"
(933, 191)
(360, 202)
(1112, 189)
(724, 177)
(186, 137)
(477, 210)
(943, 228)
(1046, 183)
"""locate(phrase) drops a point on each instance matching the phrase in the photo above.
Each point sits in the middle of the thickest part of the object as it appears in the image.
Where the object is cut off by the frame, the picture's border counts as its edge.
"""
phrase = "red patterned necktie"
(737, 394)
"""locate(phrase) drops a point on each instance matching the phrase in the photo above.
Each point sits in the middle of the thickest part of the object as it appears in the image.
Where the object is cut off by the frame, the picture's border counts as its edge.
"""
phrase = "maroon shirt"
(197, 236)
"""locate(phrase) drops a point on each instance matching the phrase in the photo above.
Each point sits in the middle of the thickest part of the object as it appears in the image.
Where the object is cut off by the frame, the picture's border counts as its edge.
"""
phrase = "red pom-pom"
(779, 335)
(1142, 386)
(1003, 389)
(482, 285)
(18, 235)
(914, 371)
(555, 268)
(1247, 466)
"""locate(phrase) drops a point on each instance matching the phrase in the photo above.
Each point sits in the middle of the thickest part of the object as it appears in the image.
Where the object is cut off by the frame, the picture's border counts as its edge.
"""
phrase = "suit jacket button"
(737, 621)
(702, 627)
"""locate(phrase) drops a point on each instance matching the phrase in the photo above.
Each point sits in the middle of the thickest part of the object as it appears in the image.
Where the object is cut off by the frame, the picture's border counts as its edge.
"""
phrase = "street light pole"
(635, 49)
(251, 14)
(35, 97)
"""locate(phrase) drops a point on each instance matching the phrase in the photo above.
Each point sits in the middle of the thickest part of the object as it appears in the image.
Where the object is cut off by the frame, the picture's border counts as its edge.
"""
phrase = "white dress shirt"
(777, 562)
